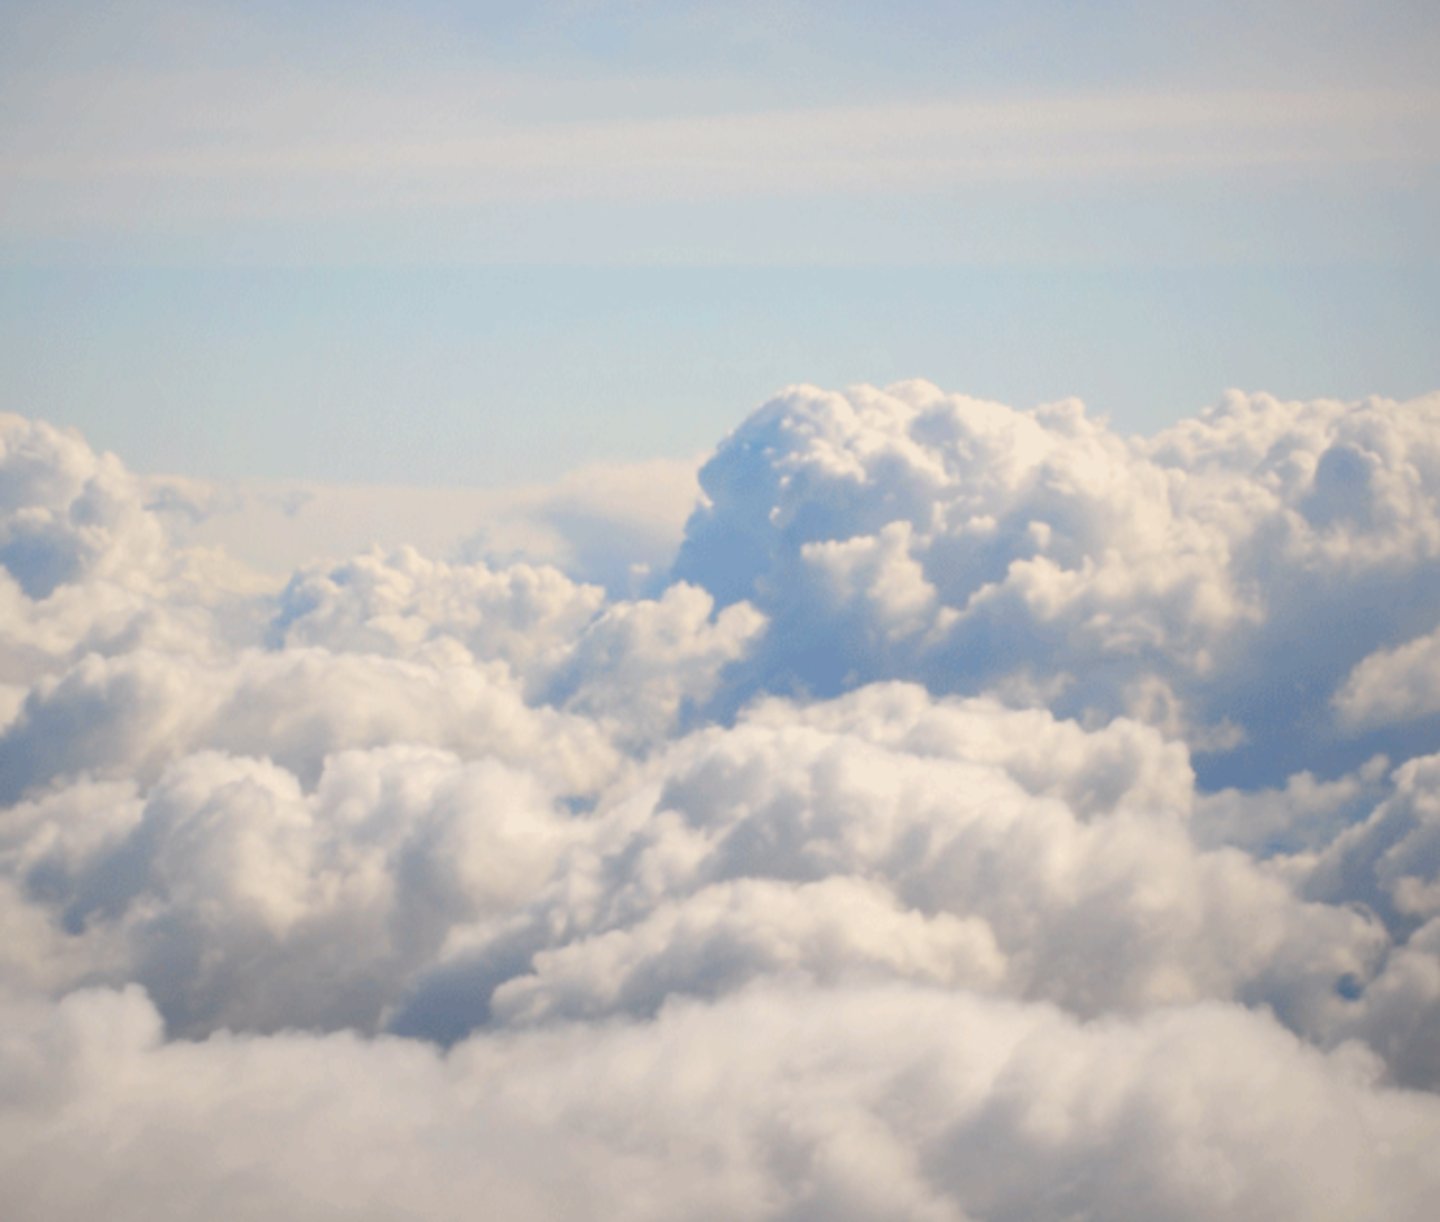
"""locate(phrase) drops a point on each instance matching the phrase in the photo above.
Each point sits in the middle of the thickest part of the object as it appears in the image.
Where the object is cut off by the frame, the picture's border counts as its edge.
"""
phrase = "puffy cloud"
(856, 1103)
(641, 665)
(67, 514)
(1304, 814)
(1390, 861)
(731, 932)
(990, 817)
(240, 900)
(132, 714)
(86, 567)
(401, 604)
(1398, 1012)
(635, 665)
(1393, 685)
(1241, 562)
(995, 848)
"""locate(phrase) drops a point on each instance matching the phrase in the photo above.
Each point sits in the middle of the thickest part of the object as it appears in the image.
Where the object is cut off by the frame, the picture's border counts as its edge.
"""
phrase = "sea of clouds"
(988, 816)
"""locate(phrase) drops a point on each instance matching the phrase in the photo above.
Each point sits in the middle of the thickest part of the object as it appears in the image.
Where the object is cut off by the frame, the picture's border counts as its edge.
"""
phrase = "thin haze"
(547, 234)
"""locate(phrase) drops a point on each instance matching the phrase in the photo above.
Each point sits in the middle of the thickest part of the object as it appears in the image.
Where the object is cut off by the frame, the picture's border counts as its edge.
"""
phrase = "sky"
(243, 241)
(754, 612)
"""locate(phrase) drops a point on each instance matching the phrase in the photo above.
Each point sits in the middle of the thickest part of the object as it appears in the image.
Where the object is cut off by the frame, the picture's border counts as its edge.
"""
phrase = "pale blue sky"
(484, 242)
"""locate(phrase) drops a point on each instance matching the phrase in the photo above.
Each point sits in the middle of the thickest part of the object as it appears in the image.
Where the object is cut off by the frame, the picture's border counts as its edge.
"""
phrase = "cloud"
(1391, 859)
(87, 568)
(167, 118)
(403, 604)
(1062, 855)
(988, 816)
(856, 1104)
(205, 145)
(1193, 577)
(133, 714)
(1393, 685)
(610, 524)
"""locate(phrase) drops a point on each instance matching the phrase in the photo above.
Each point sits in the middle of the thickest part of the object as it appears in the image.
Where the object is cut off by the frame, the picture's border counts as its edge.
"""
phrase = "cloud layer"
(992, 817)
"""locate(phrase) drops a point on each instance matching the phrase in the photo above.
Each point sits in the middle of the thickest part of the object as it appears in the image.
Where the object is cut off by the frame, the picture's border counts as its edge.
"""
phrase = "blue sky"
(477, 243)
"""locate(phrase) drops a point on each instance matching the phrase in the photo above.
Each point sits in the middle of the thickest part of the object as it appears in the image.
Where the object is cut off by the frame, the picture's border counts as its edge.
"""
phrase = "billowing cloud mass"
(990, 817)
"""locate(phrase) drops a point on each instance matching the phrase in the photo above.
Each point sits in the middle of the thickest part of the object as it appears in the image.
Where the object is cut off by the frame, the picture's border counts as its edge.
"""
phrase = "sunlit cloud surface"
(974, 813)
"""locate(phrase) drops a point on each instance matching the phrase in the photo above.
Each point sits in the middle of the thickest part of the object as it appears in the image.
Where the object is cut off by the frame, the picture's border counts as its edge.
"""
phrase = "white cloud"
(1259, 549)
(641, 665)
(403, 605)
(1392, 685)
(227, 143)
(1391, 860)
(855, 1104)
(129, 716)
(991, 817)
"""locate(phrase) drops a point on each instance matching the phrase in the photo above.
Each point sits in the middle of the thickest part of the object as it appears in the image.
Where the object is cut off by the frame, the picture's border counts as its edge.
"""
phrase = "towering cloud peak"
(1221, 579)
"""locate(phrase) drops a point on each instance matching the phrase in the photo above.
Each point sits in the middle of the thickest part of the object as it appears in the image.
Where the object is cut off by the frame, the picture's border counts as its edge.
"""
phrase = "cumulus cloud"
(1393, 685)
(1028, 856)
(857, 1104)
(1223, 577)
(989, 816)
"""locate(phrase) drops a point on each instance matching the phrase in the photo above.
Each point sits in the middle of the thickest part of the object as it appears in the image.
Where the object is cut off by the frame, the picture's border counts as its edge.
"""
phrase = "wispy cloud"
(608, 523)
(216, 148)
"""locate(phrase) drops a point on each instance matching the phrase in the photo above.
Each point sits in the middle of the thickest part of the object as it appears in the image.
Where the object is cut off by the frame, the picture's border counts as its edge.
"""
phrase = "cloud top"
(990, 816)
